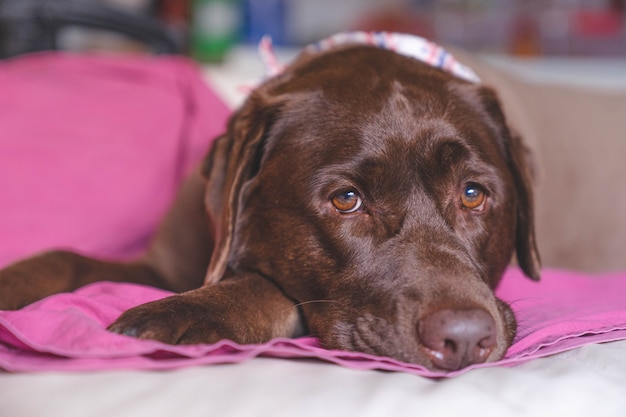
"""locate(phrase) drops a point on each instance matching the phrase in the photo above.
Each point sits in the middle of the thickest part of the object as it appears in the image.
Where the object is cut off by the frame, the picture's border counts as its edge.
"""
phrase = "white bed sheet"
(589, 381)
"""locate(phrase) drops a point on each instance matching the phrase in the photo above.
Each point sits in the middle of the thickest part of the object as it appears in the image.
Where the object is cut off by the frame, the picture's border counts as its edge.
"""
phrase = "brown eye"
(347, 201)
(473, 197)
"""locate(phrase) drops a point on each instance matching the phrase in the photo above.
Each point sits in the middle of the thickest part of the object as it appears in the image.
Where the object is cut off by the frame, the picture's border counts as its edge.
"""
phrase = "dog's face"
(383, 196)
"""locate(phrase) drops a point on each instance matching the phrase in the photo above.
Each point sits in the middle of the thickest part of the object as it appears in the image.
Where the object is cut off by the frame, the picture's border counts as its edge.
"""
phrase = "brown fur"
(278, 259)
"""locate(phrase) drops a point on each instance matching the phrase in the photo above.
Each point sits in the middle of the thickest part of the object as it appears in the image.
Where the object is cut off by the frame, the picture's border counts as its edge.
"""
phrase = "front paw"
(246, 310)
(173, 320)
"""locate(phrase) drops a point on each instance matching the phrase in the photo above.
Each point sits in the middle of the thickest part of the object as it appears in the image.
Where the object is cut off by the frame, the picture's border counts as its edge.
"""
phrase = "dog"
(361, 196)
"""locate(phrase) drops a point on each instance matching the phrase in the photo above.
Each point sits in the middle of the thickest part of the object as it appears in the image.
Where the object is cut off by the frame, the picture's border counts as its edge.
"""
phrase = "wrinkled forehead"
(363, 76)
(338, 104)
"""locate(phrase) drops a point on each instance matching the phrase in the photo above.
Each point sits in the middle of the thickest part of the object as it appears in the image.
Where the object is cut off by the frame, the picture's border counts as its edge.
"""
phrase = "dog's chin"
(373, 336)
(376, 336)
(509, 323)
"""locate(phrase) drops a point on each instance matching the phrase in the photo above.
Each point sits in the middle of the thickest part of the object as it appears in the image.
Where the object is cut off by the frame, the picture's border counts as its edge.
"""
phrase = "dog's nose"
(455, 339)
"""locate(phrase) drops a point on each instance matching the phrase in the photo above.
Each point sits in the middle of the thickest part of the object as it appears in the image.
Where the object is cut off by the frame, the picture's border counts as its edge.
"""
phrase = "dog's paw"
(173, 320)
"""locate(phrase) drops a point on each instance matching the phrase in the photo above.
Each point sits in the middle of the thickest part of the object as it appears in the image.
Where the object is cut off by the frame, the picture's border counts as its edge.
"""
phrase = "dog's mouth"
(444, 341)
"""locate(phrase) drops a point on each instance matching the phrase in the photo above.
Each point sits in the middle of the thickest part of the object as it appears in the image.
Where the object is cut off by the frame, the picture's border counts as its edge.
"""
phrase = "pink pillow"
(93, 148)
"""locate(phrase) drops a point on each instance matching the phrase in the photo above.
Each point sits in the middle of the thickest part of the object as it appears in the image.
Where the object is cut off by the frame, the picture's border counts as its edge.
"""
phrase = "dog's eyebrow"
(450, 150)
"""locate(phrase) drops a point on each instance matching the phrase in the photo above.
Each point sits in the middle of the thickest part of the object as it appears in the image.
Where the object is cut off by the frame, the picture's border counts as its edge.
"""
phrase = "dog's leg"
(245, 308)
(176, 260)
(59, 271)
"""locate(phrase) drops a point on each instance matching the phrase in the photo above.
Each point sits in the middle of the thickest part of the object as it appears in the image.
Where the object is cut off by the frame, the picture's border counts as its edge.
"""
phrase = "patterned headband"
(409, 45)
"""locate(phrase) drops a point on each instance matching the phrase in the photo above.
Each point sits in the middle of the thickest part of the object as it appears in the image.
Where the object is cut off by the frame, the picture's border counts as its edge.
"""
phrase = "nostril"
(449, 345)
(454, 339)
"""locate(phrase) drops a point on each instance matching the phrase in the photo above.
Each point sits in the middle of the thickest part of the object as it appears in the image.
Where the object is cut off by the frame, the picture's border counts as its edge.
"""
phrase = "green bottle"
(214, 28)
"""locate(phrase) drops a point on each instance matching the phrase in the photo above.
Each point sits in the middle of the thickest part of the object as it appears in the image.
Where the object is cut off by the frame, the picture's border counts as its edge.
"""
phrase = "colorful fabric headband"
(404, 44)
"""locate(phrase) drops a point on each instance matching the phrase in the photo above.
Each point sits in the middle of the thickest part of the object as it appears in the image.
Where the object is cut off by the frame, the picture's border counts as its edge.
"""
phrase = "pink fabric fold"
(67, 331)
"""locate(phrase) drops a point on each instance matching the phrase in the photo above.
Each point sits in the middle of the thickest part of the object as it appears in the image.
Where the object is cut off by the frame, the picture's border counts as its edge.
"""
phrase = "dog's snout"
(454, 339)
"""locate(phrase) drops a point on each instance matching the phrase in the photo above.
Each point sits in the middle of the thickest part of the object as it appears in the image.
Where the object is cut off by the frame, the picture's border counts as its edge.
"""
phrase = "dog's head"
(385, 197)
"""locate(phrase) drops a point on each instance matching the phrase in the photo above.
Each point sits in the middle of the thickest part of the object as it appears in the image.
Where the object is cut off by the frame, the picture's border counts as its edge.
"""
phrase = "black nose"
(455, 339)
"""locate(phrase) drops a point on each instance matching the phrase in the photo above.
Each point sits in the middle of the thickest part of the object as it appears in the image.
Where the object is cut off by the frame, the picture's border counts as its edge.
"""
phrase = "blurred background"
(209, 29)
(523, 27)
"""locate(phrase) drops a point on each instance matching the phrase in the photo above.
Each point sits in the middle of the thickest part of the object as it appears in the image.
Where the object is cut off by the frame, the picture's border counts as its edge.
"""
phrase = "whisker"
(311, 302)
(521, 300)
(315, 301)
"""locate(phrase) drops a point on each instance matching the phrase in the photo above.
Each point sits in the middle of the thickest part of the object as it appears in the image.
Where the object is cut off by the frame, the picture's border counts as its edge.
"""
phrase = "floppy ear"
(526, 244)
(233, 158)
(518, 159)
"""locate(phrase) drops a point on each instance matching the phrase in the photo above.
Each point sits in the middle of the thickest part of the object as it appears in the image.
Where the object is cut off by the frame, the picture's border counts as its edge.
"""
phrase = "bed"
(586, 377)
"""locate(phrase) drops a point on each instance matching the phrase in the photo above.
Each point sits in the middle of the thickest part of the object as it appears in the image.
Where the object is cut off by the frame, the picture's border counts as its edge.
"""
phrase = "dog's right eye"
(346, 202)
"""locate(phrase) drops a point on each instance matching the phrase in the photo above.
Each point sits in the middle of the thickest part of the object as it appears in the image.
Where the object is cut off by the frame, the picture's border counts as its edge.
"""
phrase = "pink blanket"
(67, 331)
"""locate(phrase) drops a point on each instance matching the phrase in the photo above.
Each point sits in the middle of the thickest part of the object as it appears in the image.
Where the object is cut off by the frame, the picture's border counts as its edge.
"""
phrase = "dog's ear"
(233, 158)
(518, 159)
(526, 243)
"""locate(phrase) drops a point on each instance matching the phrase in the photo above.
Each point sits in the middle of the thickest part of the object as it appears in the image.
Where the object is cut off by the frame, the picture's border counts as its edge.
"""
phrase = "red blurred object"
(598, 23)
(525, 40)
(174, 11)
(401, 21)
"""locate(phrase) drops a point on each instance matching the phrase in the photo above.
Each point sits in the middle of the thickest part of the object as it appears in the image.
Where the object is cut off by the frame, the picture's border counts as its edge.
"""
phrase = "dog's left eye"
(347, 201)
(473, 197)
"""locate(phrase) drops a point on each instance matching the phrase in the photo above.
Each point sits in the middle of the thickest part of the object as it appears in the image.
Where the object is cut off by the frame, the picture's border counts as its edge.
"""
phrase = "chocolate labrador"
(361, 196)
